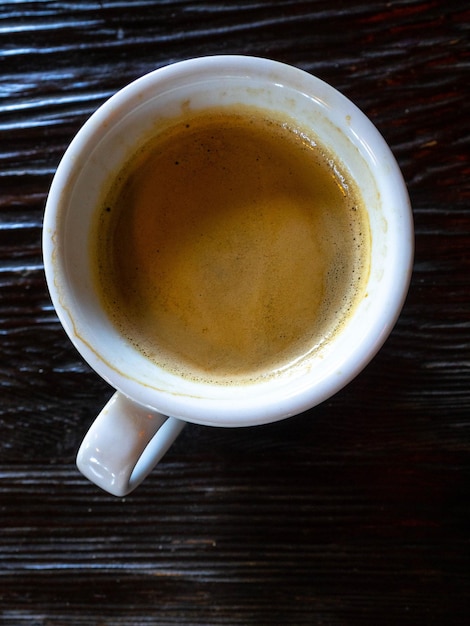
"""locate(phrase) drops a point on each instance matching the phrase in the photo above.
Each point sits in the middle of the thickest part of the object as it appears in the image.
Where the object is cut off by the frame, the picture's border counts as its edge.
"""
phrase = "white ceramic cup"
(133, 431)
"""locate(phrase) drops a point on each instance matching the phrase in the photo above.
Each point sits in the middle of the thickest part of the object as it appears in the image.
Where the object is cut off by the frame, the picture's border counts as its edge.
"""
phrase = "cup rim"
(254, 409)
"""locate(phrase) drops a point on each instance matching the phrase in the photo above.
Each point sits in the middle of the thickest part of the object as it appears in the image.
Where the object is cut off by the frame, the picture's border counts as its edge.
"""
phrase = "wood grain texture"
(356, 512)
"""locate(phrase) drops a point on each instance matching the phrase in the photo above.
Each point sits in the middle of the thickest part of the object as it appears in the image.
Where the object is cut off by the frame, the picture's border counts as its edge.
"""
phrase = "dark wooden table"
(356, 512)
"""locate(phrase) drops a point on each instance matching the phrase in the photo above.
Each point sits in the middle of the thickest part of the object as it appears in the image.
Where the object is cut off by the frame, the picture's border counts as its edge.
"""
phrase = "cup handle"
(124, 444)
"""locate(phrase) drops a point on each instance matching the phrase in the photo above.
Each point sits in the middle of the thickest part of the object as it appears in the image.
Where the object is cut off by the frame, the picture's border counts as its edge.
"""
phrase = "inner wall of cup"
(117, 361)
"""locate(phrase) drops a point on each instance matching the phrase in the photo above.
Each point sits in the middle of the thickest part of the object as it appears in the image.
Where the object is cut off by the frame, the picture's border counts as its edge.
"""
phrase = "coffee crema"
(230, 247)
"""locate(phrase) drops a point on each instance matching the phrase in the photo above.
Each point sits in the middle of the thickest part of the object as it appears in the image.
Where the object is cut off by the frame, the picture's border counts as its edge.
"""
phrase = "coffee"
(230, 246)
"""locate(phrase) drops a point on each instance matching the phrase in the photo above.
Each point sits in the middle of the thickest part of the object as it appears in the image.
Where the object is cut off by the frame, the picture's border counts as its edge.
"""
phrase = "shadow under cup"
(114, 132)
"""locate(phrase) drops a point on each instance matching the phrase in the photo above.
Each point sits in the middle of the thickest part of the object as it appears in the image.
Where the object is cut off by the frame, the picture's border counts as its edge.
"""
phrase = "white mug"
(134, 430)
